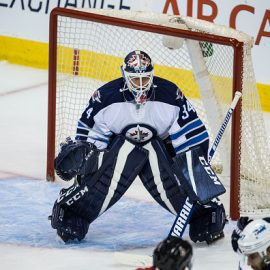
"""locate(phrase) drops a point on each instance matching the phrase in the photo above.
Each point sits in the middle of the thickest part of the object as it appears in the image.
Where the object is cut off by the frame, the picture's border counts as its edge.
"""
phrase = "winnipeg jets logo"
(139, 61)
(260, 229)
(138, 133)
(96, 96)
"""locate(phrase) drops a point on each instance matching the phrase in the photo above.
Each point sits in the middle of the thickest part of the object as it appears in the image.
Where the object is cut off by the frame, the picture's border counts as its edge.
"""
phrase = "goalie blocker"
(105, 176)
(206, 216)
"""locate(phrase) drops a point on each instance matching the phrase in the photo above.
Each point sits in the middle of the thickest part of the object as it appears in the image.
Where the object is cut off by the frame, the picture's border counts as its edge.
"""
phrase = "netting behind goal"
(208, 63)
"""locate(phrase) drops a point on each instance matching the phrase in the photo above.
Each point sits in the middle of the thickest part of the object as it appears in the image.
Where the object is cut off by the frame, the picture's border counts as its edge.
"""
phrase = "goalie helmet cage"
(208, 62)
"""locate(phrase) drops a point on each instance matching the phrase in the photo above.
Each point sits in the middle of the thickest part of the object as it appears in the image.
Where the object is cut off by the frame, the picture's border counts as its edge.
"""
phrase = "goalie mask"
(256, 238)
(173, 254)
(138, 73)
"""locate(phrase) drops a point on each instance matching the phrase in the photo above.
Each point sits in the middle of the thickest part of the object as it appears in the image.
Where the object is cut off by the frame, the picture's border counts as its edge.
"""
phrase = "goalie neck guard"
(172, 254)
(138, 72)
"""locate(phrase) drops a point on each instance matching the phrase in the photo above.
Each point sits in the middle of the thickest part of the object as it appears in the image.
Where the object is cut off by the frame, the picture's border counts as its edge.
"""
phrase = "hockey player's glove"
(71, 158)
(236, 234)
(69, 226)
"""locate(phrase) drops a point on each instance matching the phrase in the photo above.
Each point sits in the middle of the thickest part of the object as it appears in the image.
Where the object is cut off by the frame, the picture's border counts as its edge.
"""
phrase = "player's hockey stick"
(181, 219)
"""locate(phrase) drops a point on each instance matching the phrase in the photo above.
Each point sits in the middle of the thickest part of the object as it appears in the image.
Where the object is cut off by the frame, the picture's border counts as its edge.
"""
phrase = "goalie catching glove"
(71, 158)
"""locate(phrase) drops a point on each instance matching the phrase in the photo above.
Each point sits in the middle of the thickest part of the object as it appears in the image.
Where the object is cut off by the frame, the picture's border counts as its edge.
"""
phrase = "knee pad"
(207, 223)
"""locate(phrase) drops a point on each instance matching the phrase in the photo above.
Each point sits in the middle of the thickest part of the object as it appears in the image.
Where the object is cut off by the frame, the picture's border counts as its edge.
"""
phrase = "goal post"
(208, 62)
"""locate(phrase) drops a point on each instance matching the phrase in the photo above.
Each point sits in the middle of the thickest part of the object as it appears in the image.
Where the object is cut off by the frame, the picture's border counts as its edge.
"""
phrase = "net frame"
(237, 83)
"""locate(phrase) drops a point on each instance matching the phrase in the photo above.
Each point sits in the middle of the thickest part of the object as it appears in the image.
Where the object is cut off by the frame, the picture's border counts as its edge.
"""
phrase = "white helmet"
(255, 238)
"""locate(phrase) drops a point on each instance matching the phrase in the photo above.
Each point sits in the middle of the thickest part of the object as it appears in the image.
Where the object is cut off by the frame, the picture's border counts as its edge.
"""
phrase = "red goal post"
(208, 62)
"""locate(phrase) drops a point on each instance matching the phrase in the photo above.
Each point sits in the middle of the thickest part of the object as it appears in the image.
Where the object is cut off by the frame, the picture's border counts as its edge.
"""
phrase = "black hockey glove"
(71, 158)
(69, 226)
(236, 234)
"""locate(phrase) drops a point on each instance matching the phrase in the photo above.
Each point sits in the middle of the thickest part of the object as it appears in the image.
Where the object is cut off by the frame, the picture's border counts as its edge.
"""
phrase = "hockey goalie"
(138, 125)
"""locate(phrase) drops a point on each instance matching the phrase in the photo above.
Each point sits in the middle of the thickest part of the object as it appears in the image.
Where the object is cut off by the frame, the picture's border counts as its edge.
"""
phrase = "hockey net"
(208, 62)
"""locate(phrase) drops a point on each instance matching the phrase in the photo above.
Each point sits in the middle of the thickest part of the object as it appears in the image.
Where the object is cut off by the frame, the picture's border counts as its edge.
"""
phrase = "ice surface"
(132, 226)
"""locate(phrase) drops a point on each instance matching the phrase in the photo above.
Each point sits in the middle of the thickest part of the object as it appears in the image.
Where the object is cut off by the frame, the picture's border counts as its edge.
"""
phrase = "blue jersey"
(166, 114)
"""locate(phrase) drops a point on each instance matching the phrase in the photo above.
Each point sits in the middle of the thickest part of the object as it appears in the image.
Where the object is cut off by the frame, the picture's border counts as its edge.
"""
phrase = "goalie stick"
(177, 230)
(224, 125)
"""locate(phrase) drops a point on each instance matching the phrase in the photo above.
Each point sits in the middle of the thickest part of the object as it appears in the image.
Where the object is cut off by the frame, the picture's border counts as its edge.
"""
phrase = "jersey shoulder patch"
(104, 96)
(110, 92)
(167, 91)
(107, 94)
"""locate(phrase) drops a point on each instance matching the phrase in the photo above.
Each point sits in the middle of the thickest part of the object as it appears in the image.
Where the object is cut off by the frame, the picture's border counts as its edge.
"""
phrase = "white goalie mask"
(138, 72)
(255, 238)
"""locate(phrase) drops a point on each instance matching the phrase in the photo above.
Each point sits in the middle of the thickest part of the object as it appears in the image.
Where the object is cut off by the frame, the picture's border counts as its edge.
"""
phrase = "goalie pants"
(108, 175)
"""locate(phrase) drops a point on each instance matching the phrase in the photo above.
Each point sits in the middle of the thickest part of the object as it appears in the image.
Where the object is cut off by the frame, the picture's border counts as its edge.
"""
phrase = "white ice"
(135, 225)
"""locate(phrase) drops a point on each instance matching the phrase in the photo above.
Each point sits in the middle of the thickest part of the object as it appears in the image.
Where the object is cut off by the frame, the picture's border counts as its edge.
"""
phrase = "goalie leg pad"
(159, 180)
(207, 222)
(69, 226)
(120, 166)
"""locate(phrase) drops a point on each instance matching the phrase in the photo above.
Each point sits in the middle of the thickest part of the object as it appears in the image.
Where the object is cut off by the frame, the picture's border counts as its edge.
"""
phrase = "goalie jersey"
(166, 114)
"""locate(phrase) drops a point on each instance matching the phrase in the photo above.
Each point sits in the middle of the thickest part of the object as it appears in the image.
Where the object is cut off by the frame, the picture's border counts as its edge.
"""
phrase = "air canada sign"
(196, 8)
(252, 17)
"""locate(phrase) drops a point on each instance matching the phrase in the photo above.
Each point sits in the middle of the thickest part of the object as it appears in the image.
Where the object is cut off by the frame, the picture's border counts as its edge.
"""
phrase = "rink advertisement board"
(25, 24)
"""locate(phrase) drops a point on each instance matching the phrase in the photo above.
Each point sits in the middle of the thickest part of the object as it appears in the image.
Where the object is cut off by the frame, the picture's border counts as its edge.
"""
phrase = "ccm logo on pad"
(209, 170)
